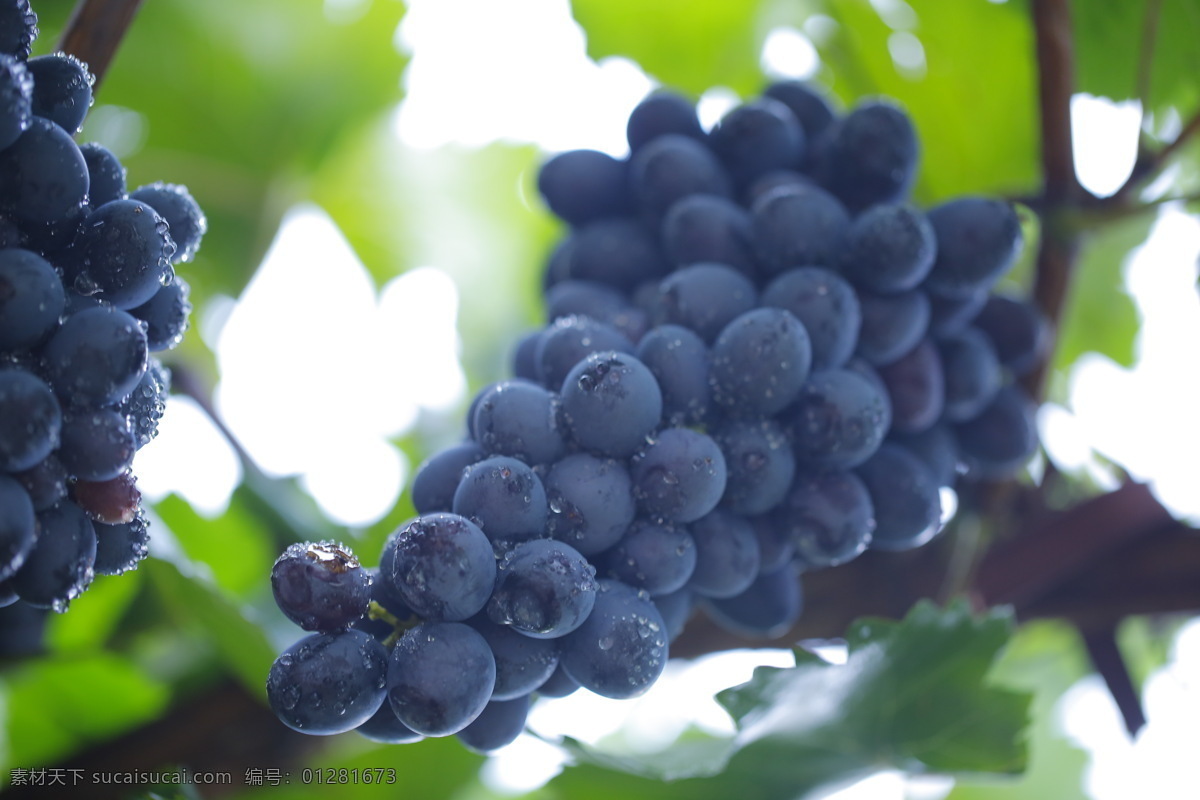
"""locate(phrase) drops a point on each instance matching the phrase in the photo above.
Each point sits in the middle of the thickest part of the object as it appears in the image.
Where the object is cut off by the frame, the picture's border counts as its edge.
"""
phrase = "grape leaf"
(688, 46)
(1109, 44)
(912, 695)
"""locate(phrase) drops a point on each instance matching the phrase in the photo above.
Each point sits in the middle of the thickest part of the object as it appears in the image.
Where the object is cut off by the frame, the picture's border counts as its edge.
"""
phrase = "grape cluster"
(760, 360)
(87, 292)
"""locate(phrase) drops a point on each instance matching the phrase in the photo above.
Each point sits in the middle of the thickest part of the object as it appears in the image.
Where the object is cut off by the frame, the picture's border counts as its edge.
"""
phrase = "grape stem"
(95, 31)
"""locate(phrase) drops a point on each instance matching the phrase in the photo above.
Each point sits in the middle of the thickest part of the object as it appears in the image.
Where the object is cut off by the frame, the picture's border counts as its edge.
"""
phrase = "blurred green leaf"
(1045, 659)
(1109, 48)
(94, 614)
(686, 45)
(913, 695)
(975, 102)
(1100, 316)
(58, 704)
(196, 603)
(237, 548)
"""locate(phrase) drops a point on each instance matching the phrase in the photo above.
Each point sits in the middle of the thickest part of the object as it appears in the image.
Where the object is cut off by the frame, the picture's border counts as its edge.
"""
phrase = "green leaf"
(686, 45)
(59, 704)
(1108, 49)
(1100, 316)
(975, 105)
(195, 603)
(912, 695)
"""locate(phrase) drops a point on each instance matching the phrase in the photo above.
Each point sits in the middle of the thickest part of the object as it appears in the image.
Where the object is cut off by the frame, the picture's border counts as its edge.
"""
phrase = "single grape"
(659, 113)
(972, 373)
(759, 463)
(60, 566)
(615, 251)
(827, 517)
(31, 299)
(559, 684)
(727, 557)
(442, 566)
(440, 677)
(905, 497)
(798, 226)
(679, 361)
(544, 589)
(916, 386)
(328, 683)
(500, 723)
(31, 420)
(825, 305)
(123, 253)
(757, 137)
(523, 663)
(386, 728)
(320, 586)
(46, 482)
(759, 362)
(519, 419)
(96, 445)
(166, 315)
(591, 502)
(704, 298)
(437, 478)
(186, 224)
(582, 185)
(679, 476)
(1016, 329)
(670, 168)
(568, 341)
(62, 89)
(146, 404)
(838, 420)
(892, 325)
(106, 175)
(504, 497)
(18, 527)
(113, 501)
(621, 649)
(611, 403)
(871, 156)
(96, 357)
(704, 228)
(890, 248)
(978, 239)
(1003, 436)
(807, 102)
(658, 557)
(46, 176)
(767, 609)
(676, 609)
(120, 547)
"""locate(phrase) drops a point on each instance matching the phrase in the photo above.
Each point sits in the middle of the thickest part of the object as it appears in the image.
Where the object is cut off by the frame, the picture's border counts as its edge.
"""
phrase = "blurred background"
(375, 249)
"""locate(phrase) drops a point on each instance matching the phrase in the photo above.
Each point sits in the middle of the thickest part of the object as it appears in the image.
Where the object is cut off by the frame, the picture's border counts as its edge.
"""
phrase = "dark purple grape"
(871, 156)
(655, 556)
(519, 419)
(759, 362)
(838, 420)
(570, 340)
(96, 445)
(757, 137)
(16, 99)
(971, 371)
(591, 502)
(504, 497)
(1016, 329)
(892, 325)
(559, 684)
(145, 405)
(328, 683)
(611, 403)
(937, 447)
(905, 497)
(759, 463)
(384, 727)
(978, 239)
(438, 477)
(659, 113)
(704, 228)
(106, 175)
(123, 253)
(826, 306)
(185, 221)
(62, 89)
(443, 567)
(807, 103)
(500, 723)
(767, 609)
(524, 356)
(31, 299)
(320, 586)
(120, 547)
(96, 357)
(775, 547)
(670, 168)
(523, 663)
(827, 516)
(798, 226)
(440, 677)
(916, 387)
(18, 527)
(544, 589)
(621, 649)
(166, 315)
(679, 361)
(46, 176)
(679, 476)
(704, 298)
(676, 609)
(890, 249)
(18, 28)
(999, 441)
(727, 557)
(111, 501)
(583, 185)
(30, 420)
(60, 566)
(46, 482)
(618, 252)
(948, 316)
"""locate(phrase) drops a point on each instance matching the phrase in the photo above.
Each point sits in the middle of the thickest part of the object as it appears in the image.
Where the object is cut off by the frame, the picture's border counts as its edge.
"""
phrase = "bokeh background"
(375, 249)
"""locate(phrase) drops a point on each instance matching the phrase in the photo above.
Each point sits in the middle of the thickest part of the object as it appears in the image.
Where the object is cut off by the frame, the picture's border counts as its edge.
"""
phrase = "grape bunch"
(87, 292)
(760, 360)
